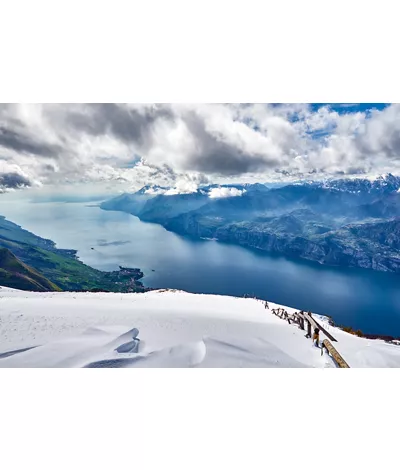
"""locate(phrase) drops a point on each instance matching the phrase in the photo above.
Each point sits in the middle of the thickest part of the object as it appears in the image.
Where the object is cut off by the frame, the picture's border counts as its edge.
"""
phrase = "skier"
(266, 305)
(316, 337)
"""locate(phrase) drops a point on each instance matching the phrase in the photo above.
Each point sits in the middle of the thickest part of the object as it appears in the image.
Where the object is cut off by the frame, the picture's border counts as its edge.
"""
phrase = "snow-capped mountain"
(152, 189)
(383, 184)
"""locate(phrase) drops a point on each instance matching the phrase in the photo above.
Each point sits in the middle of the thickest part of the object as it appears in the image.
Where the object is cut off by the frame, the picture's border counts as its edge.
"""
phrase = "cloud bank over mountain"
(185, 145)
(216, 193)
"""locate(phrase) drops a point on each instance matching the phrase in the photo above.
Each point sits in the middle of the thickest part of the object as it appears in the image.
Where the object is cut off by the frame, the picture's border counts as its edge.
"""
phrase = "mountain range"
(342, 222)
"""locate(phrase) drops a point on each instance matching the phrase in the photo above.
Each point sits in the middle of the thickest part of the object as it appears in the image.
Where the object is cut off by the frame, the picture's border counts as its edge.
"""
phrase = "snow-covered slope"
(176, 329)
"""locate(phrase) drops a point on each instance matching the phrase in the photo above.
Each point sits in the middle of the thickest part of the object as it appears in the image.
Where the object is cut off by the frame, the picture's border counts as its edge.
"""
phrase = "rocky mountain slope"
(339, 222)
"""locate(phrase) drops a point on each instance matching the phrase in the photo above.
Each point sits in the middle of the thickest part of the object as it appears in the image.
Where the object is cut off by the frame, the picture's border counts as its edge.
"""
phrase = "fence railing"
(305, 319)
(335, 354)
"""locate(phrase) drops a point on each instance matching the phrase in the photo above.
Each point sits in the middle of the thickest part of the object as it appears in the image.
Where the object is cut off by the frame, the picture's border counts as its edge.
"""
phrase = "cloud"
(183, 186)
(21, 142)
(13, 181)
(215, 193)
(184, 145)
(155, 190)
(13, 177)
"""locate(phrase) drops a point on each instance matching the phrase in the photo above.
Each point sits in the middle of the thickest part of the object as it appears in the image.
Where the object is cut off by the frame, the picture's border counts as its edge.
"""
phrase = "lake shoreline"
(368, 300)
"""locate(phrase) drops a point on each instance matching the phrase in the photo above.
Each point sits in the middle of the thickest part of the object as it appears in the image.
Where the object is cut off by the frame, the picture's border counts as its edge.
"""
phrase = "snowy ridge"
(379, 184)
(164, 329)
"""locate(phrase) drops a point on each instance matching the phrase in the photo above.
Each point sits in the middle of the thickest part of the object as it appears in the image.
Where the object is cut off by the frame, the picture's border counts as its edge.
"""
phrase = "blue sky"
(343, 108)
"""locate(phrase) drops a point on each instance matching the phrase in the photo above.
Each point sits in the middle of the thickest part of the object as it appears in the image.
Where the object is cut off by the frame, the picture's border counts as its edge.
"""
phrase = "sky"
(125, 146)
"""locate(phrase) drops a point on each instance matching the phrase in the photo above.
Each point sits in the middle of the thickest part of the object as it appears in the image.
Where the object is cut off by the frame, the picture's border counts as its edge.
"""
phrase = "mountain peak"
(152, 189)
(385, 183)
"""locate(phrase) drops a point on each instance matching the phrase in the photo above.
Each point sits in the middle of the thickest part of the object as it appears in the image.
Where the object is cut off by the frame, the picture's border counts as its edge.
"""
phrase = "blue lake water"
(363, 299)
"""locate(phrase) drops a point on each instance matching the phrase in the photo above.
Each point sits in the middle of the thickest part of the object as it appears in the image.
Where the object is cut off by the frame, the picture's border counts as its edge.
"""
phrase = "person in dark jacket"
(316, 337)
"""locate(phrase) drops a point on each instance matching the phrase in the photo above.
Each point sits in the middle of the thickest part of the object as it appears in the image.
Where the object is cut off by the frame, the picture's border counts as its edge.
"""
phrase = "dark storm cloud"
(127, 124)
(22, 143)
(13, 180)
(135, 127)
(220, 157)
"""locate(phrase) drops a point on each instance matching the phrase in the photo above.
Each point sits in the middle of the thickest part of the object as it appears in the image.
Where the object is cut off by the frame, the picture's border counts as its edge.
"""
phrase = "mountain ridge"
(309, 220)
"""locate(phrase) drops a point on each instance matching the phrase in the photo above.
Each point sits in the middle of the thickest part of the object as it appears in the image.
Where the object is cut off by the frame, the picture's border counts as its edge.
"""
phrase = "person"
(316, 337)
(266, 305)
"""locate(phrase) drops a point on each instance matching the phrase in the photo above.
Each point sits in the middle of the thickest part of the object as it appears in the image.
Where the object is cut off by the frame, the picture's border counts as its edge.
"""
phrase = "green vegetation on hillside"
(16, 274)
(61, 268)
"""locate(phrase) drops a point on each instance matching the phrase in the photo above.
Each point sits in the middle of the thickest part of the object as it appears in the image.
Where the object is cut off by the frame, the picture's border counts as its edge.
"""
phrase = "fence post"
(308, 329)
(301, 318)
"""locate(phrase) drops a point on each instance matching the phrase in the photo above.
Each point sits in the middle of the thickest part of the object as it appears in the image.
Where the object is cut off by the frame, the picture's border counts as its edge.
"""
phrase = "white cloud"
(167, 144)
(183, 187)
(154, 191)
(215, 193)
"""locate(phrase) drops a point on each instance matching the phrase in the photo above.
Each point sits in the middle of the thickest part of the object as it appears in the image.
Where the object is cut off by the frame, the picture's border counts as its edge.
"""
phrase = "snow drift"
(164, 329)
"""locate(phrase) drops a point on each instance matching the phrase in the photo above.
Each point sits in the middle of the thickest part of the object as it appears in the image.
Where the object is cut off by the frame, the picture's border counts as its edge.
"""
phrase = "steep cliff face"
(343, 251)
(384, 233)
(370, 246)
(195, 225)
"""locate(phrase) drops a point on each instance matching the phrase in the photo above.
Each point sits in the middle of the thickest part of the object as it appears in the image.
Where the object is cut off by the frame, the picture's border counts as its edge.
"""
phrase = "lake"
(364, 299)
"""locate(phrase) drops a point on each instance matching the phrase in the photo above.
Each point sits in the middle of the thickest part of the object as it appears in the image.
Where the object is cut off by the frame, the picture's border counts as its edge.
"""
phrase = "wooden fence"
(305, 319)
(335, 354)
